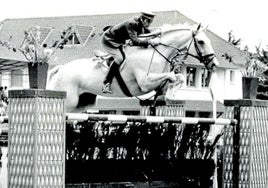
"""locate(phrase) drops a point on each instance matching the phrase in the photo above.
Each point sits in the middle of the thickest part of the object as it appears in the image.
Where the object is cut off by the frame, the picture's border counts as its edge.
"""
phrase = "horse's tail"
(53, 71)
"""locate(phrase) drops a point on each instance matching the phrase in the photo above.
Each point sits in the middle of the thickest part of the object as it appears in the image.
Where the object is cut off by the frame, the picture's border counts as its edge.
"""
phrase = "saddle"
(101, 54)
(105, 58)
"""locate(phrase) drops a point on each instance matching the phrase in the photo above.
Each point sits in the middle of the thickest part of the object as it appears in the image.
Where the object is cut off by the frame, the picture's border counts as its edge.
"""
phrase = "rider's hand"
(154, 41)
(129, 43)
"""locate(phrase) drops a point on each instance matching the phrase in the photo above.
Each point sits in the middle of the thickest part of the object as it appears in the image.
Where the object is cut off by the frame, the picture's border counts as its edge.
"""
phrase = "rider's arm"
(133, 35)
(153, 33)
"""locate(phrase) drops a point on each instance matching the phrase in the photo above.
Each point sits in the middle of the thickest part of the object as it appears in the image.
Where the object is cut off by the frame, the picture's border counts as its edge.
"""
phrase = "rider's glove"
(154, 41)
(129, 42)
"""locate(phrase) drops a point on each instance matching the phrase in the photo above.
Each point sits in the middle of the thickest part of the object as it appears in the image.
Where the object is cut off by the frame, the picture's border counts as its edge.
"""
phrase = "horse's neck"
(155, 60)
(173, 41)
(179, 39)
(147, 59)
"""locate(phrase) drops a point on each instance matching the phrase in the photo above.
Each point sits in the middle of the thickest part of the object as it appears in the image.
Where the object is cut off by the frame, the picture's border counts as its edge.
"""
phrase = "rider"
(116, 36)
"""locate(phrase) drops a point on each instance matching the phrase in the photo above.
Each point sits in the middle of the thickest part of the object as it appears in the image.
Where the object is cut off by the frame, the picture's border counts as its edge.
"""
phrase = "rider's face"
(147, 22)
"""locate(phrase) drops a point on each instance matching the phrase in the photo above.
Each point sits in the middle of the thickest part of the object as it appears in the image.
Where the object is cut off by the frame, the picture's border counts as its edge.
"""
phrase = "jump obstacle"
(37, 139)
(148, 119)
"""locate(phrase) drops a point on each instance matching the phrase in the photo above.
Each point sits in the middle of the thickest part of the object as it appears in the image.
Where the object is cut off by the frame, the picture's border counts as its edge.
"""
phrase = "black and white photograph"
(133, 94)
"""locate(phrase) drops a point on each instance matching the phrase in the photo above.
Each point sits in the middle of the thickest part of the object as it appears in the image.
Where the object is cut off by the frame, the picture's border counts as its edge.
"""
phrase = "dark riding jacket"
(117, 35)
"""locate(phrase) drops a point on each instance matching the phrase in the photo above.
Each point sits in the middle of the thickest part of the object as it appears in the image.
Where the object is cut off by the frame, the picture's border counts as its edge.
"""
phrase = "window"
(190, 114)
(204, 114)
(191, 76)
(205, 76)
(232, 76)
(81, 35)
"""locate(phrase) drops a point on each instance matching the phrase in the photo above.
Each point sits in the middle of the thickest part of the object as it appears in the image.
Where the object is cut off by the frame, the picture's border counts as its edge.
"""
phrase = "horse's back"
(79, 64)
(70, 72)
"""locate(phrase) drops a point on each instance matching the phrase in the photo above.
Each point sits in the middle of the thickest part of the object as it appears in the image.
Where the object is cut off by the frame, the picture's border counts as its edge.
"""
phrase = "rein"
(205, 59)
(155, 49)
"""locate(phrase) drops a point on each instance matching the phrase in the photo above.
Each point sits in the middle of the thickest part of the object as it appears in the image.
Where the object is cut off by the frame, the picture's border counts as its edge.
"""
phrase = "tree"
(256, 63)
(38, 54)
(32, 48)
(260, 54)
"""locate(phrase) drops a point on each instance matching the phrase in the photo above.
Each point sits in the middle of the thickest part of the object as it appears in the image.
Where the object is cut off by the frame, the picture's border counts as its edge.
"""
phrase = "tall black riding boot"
(109, 78)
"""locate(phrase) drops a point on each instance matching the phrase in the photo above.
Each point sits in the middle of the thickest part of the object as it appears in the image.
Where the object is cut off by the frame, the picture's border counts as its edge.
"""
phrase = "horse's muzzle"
(210, 61)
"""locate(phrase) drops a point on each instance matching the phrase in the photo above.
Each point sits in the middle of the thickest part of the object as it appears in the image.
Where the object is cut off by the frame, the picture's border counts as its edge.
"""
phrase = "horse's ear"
(199, 26)
(205, 29)
(197, 29)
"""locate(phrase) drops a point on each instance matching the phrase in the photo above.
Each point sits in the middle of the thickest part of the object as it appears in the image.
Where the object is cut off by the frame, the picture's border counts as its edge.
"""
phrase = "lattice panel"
(246, 122)
(165, 110)
(36, 142)
(170, 110)
(259, 148)
(253, 148)
(228, 150)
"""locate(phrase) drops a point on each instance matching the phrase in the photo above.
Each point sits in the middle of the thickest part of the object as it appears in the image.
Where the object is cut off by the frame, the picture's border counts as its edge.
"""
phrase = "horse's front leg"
(153, 80)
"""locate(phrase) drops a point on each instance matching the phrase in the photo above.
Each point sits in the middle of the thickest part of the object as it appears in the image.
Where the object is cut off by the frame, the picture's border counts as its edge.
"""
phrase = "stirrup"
(107, 88)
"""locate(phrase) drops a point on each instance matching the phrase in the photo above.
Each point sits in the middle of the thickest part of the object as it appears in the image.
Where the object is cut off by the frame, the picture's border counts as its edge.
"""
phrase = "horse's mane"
(166, 28)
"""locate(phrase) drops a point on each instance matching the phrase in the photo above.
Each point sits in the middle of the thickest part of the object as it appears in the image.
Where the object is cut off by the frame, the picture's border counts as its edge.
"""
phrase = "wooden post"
(245, 155)
(36, 141)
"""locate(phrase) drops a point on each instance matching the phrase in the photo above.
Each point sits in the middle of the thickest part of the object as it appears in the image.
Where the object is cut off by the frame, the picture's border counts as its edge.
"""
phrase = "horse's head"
(186, 41)
(201, 48)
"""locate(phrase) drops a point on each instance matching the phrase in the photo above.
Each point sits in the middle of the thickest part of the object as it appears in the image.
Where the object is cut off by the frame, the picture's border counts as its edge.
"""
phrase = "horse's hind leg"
(71, 102)
(161, 91)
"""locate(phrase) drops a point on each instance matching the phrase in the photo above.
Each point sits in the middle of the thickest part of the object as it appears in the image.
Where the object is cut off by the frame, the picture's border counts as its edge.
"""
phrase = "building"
(86, 39)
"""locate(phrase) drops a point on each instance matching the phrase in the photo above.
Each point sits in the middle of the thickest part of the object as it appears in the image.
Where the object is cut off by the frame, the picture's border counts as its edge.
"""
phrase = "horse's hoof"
(107, 91)
(107, 88)
(173, 77)
(180, 78)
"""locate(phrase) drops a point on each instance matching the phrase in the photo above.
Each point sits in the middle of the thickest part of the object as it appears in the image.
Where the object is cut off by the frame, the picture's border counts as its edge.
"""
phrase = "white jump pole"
(148, 119)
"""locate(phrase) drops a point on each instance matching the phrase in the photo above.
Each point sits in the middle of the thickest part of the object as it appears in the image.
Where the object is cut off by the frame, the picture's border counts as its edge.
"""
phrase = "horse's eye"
(201, 42)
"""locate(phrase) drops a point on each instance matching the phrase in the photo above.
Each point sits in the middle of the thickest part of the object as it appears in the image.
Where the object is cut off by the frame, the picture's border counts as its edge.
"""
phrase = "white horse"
(144, 70)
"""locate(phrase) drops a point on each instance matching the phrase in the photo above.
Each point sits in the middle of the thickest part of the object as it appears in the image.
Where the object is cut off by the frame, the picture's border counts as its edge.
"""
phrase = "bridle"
(205, 59)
